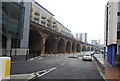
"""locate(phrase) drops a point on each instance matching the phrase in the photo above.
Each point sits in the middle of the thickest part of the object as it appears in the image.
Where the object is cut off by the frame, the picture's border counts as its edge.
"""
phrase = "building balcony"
(36, 18)
(43, 21)
(49, 24)
(54, 22)
(54, 26)
(49, 20)
(43, 17)
(37, 13)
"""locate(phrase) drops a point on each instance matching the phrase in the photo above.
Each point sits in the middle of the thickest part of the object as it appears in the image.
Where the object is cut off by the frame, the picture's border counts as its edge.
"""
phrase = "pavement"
(110, 73)
(55, 67)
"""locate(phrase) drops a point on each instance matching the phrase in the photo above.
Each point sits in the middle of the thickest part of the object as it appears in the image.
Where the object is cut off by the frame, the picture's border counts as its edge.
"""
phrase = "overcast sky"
(79, 15)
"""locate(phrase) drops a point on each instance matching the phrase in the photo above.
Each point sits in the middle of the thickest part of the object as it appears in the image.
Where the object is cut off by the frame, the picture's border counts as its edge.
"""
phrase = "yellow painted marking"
(7, 68)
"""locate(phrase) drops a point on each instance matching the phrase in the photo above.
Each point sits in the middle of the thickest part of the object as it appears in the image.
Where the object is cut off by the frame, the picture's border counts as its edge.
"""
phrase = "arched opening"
(78, 47)
(51, 45)
(68, 47)
(35, 43)
(73, 47)
(92, 48)
(83, 48)
(61, 46)
(88, 48)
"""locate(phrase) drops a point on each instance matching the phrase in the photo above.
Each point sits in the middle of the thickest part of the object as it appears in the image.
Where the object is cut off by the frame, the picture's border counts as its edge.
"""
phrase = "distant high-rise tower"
(94, 42)
(99, 42)
(77, 37)
(83, 37)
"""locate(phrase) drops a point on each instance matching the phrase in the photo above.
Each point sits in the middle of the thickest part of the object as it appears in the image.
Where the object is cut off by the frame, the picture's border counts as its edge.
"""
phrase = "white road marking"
(31, 59)
(62, 64)
(46, 72)
(38, 58)
(22, 76)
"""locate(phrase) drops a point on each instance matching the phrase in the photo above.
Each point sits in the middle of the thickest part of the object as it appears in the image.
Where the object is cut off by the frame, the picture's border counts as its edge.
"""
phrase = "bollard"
(5, 63)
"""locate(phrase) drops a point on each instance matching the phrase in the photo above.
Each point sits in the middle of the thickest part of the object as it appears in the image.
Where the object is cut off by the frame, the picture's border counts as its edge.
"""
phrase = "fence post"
(10, 52)
(26, 55)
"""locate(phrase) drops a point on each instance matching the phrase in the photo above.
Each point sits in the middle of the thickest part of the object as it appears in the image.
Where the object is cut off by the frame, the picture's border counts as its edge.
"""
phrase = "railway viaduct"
(48, 41)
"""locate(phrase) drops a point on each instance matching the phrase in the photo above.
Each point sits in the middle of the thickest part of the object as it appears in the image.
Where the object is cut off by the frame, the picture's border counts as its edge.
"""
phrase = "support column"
(1, 53)
(65, 47)
(43, 50)
(108, 56)
(104, 52)
(8, 45)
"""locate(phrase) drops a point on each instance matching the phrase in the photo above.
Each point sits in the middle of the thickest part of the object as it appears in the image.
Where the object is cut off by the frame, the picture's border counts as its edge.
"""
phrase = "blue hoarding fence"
(111, 54)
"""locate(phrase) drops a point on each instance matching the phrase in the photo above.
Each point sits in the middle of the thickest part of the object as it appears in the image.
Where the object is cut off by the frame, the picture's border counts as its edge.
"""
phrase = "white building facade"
(111, 31)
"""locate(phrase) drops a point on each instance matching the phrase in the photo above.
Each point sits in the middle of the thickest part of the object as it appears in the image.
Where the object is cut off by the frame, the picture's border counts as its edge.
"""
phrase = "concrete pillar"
(43, 50)
(25, 40)
(1, 29)
(1, 44)
(118, 47)
(65, 47)
(8, 45)
(104, 52)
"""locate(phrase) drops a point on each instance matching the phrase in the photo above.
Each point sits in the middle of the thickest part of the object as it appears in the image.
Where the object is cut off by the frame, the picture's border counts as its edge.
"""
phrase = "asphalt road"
(58, 68)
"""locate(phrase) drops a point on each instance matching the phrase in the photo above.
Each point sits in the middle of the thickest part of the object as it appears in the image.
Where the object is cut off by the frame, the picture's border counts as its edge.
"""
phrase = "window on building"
(118, 26)
(37, 13)
(49, 19)
(43, 21)
(36, 16)
(36, 19)
(5, 8)
(118, 13)
(13, 19)
(54, 26)
(54, 22)
(43, 16)
(49, 22)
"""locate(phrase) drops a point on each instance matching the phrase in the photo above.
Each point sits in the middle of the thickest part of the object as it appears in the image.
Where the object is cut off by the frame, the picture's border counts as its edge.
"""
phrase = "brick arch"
(51, 45)
(84, 48)
(35, 42)
(92, 48)
(78, 48)
(88, 49)
(61, 46)
(73, 47)
(68, 47)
